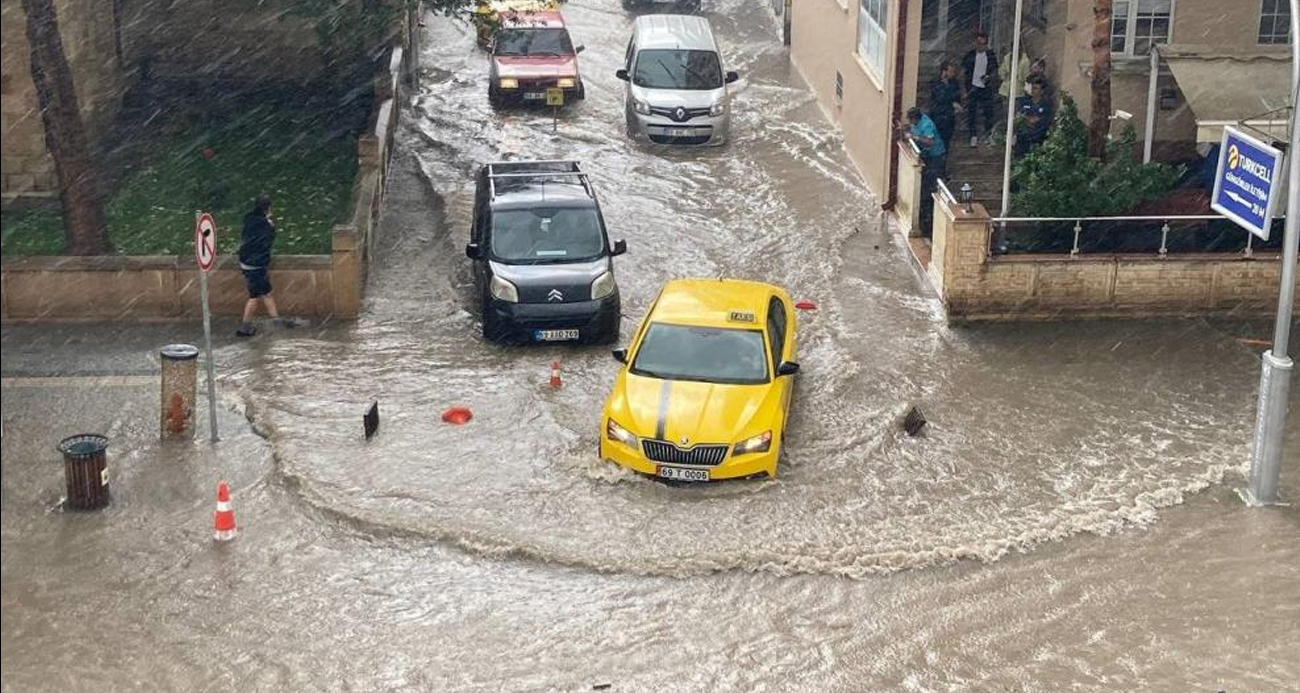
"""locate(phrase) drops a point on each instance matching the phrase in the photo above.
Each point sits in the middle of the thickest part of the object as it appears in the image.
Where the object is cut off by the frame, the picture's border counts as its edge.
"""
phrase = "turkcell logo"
(1246, 183)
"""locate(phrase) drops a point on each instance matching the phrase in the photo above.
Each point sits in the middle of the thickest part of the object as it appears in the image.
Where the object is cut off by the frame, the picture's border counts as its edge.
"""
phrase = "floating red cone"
(556, 383)
(457, 415)
(223, 520)
(806, 305)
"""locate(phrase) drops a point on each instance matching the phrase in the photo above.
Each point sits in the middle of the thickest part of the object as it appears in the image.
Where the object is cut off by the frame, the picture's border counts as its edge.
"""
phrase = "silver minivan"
(676, 87)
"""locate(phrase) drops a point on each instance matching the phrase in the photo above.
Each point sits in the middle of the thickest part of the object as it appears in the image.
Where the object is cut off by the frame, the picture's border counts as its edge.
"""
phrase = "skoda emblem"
(685, 440)
(680, 113)
(555, 295)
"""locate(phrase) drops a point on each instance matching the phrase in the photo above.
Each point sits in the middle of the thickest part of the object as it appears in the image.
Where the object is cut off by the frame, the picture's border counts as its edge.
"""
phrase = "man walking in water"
(255, 261)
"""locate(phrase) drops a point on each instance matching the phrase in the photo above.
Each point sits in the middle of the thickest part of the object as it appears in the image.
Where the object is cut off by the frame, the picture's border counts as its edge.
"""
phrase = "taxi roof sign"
(740, 316)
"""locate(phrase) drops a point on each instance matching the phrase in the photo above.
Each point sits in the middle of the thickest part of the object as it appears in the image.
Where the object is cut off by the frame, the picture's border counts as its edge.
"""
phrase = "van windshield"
(677, 69)
(533, 42)
(540, 236)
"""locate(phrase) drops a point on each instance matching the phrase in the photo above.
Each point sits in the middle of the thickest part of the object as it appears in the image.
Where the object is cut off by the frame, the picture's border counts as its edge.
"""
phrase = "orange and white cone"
(556, 383)
(223, 520)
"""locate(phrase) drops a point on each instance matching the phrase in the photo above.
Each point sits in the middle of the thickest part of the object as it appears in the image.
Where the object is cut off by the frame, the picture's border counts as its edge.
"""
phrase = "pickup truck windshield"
(677, 69)
(706, 354)
(538, 236)
(522, 42)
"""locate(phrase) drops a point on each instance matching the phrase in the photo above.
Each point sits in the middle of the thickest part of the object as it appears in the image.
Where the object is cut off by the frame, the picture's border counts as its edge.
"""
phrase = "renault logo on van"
(555, 295)
(679, 114)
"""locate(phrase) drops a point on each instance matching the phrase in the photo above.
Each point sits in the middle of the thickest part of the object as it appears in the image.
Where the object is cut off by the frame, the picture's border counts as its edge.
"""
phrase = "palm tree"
(85, 231)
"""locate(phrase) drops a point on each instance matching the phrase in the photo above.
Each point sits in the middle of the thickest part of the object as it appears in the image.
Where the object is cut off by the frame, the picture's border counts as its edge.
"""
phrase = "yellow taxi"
(705, 389)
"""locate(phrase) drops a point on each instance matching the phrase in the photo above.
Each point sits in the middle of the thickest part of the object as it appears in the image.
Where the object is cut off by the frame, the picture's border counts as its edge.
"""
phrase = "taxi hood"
(673, 410)
(536, 66)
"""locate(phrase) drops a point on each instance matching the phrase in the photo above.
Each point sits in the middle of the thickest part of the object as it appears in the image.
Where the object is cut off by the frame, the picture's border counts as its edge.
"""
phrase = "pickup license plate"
(555, 335)
(682, 474)
(534, 96)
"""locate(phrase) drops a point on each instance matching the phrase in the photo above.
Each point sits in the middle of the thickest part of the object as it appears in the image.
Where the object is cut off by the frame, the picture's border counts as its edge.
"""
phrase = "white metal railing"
(945, 192)
(998, 238)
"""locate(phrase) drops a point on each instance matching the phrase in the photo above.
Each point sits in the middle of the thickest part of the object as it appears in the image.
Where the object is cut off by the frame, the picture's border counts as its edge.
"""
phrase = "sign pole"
(207, 343)
(1276, 367)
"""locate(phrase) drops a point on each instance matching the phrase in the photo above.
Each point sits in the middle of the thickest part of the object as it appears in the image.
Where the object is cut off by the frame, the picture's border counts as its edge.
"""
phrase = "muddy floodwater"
(1069, 521)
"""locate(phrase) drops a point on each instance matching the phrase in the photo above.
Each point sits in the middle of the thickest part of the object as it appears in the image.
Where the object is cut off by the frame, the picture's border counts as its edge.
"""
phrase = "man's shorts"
(258, 281)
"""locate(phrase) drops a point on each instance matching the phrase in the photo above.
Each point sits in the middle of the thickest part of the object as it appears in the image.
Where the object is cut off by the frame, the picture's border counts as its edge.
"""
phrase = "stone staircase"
(981, 167)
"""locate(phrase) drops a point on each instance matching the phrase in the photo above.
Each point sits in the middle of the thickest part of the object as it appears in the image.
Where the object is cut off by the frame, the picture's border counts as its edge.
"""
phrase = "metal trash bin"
(85, 464)
(179, 385)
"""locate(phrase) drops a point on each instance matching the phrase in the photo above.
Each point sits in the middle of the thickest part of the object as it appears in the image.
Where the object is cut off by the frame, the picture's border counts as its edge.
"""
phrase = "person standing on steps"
(945, 99)
(981, 67)
(255, 260)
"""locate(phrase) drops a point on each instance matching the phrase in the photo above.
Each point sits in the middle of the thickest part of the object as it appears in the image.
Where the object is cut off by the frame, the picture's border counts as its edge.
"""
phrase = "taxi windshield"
(538, 236)
(706, 354)
(534, 42)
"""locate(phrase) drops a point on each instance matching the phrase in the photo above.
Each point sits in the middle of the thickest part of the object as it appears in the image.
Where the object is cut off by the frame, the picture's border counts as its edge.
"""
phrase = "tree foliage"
(1060, 179)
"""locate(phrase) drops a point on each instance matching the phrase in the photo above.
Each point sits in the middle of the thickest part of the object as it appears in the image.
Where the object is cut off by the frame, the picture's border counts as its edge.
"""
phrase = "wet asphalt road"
(1069, 520)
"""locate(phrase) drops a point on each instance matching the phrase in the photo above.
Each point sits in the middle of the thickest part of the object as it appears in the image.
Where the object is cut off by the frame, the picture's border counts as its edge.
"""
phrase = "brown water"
(1069, 521)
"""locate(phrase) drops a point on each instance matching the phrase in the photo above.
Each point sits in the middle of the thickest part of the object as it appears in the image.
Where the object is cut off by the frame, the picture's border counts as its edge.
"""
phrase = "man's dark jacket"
(258, 237)
(942, 96)
(991, 80)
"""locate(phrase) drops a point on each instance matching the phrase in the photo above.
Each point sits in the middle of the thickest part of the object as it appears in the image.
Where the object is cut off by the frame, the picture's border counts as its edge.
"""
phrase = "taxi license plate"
(555, 335)
(534, 96)
(682, 474)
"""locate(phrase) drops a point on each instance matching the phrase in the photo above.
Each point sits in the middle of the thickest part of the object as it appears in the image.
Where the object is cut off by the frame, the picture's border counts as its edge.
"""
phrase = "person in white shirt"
(981, 68)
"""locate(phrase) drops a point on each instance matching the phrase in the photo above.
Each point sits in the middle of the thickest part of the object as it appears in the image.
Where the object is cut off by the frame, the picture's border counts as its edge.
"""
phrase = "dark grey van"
(543, 262)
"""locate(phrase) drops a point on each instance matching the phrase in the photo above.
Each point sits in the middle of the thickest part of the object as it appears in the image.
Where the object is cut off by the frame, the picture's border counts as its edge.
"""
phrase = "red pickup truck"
(532, 52)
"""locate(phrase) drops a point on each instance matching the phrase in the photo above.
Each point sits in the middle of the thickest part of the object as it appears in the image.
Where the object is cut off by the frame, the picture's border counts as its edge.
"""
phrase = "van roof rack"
(535, 170)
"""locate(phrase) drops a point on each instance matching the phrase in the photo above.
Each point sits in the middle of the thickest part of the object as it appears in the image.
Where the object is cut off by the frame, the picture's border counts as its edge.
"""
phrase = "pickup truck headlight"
(566, 83)
(603, 286)
(509, 83)
(759, 443)
(503, 290)
(718, 108)
(615, 432)
(641, 107)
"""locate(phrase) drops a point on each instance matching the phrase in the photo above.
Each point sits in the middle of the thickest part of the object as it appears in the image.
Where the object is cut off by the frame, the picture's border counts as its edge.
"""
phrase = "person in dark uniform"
(1033, 117)
(255, 260)
(945, 97)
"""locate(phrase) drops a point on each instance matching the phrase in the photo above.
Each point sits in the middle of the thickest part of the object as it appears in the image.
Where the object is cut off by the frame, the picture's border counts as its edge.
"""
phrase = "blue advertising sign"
(1246, 182)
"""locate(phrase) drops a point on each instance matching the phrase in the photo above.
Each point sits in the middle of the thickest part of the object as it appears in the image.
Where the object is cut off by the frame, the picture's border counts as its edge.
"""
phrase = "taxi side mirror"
(732, 76)
(473, 251)
(787, 368)
(620, 355)
(620, 247)
(621, 73)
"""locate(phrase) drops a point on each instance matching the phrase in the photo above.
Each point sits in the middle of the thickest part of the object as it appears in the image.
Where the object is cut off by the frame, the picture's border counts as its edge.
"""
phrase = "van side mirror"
(620, 355)
(787, 368)
(732, 76)
(579, 49)
(621, 73)
(620, 247)
(473, 251)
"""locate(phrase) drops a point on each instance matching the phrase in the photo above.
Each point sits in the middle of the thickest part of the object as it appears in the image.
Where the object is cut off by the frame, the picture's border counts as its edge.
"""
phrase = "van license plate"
(555, 335)
(682, 474)
(680, 132)
(534, 96)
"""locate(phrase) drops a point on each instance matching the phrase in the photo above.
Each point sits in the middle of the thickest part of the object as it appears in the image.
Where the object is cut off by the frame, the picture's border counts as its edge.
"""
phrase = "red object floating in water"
(806, 305)
(208, 153)
(457, 415)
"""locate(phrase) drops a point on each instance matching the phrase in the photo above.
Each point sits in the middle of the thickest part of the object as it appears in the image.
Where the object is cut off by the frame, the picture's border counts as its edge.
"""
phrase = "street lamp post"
(1275, 370)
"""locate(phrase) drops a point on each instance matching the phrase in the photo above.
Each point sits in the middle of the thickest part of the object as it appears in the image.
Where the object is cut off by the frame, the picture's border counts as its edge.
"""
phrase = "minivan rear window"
(677, 69)
(536, 236)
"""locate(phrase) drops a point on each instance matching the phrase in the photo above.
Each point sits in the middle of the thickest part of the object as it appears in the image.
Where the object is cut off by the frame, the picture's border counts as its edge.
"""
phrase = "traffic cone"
(223, 520)
(556, 383)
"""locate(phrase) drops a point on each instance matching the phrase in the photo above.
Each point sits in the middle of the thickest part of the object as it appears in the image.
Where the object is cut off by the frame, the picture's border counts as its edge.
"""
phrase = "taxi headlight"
(503, 290)
(603, 286)
(566, 83)
(509, 83)
(759, 443)
(718, 108)
(613, 431)
(641, 107)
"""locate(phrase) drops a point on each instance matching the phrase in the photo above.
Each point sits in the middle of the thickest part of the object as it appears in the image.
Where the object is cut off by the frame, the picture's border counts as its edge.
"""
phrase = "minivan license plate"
(682, 474)
(680, 132)
(555, 335)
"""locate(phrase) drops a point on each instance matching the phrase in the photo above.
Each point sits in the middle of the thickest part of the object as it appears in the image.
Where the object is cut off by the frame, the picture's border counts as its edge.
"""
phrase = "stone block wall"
(976, 286)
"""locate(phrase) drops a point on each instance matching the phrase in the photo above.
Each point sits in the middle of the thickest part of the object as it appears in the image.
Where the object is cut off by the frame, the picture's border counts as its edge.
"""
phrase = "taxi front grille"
(661, 451)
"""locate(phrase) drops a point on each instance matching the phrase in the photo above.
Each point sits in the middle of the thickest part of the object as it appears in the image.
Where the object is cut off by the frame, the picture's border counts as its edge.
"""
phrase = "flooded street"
(1069, 521)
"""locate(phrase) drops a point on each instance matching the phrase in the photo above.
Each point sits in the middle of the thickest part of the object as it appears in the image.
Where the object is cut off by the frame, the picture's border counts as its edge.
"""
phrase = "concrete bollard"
(180, 378)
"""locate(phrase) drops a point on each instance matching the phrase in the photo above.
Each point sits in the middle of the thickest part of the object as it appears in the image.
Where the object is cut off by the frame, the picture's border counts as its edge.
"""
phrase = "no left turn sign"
(205, 241)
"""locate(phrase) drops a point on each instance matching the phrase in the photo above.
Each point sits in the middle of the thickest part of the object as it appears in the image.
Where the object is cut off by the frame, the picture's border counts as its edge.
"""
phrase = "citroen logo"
(555, 295)
(680, 113)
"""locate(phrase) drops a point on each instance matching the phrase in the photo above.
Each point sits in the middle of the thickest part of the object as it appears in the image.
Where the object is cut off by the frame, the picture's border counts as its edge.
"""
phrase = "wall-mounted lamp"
(1168, 99)
(966, 194)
